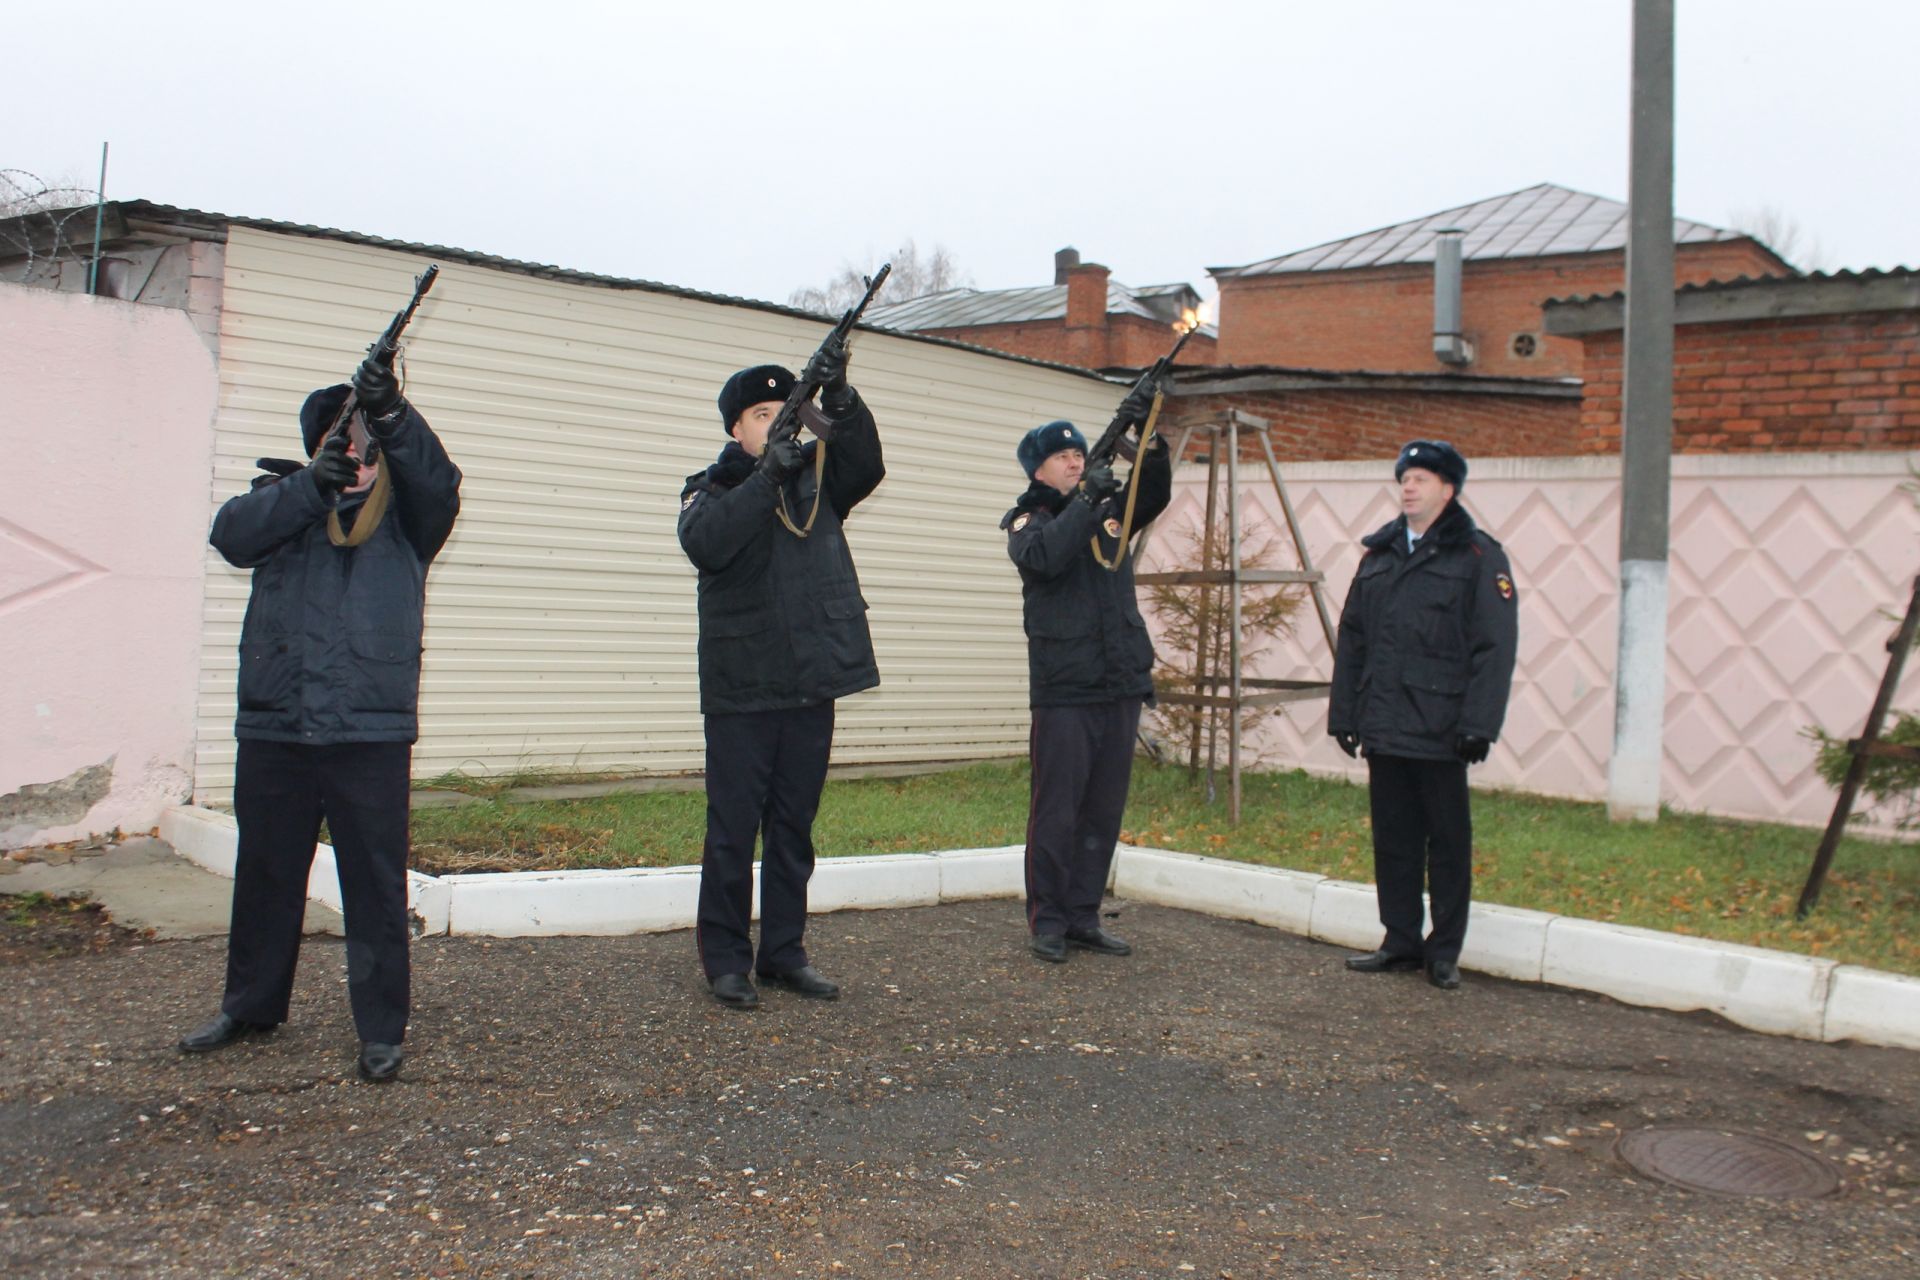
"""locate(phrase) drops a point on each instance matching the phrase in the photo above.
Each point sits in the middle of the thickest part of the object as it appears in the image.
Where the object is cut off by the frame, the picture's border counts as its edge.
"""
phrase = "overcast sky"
(754, 148)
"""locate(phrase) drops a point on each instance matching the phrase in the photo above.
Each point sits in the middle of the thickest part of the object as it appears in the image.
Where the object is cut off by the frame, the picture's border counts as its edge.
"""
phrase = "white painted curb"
(1773, 991)
(1766, 990)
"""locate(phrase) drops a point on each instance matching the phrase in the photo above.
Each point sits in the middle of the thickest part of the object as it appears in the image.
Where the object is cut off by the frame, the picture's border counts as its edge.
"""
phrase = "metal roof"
(1537, 222)
(966, 308)
(1750, 298)
(200, 219)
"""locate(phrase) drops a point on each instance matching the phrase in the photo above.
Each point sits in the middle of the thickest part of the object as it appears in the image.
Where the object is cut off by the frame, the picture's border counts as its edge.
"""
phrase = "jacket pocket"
(385, 672)
(1435, 692)
(849, 644)
(269, 674)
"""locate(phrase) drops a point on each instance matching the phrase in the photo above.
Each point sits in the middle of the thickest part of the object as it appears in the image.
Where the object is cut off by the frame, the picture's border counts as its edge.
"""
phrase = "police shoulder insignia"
(688, 500)
(1504, 585)
(1112, 527)
(1020, 521)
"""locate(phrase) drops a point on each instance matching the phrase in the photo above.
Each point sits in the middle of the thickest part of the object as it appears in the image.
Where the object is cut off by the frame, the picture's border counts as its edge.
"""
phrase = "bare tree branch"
(914, 276)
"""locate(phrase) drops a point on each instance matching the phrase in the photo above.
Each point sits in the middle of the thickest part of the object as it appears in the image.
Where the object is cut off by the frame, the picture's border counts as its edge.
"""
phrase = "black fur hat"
(1044, 441)
(318, 413)
(750, 387)
(1436, 456)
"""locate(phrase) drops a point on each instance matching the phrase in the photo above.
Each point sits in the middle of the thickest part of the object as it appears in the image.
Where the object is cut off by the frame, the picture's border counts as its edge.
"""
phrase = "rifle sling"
(1133, 491)
(819, 487)
(372, 511)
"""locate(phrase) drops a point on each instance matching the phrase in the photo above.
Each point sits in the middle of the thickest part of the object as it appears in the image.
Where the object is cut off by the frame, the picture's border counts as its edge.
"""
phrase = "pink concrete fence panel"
(1784, 570)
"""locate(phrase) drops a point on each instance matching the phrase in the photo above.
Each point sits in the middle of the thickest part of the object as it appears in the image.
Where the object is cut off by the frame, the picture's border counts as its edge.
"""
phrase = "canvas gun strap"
(372, 511)
(1133, 491)
(819, 487)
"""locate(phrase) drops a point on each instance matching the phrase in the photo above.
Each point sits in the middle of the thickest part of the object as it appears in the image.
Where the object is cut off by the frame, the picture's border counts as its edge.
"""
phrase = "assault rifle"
(798, 411)
(384, 349)
(1109, 441)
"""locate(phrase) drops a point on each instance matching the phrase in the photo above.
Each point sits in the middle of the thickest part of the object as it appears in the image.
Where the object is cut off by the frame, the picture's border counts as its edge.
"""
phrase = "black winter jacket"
(782, 621)
(1086, 640)
(1427, 641)
(330, 650)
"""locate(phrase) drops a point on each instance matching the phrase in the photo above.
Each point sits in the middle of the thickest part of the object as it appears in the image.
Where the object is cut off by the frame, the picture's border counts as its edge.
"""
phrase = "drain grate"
(1728, 1163)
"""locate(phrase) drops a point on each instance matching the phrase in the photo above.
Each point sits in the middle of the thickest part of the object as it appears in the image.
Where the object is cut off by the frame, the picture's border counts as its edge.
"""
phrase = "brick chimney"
(1064, 260)
(1087, 296)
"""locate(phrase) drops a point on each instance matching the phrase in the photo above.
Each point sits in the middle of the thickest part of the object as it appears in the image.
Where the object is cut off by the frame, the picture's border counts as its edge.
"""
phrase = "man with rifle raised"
(329, 688)
(783, 633)
(1089, 659)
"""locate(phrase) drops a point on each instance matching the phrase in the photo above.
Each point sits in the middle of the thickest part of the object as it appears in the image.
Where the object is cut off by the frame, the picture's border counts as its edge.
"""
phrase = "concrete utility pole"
(1646, 445)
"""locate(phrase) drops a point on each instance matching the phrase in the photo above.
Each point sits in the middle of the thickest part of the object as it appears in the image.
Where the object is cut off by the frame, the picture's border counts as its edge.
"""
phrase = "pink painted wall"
(1782, 568)
(106, 432)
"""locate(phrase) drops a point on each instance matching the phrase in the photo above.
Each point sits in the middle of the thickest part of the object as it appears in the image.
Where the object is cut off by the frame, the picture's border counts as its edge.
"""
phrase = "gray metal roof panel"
(967, 308)
(1539, 221)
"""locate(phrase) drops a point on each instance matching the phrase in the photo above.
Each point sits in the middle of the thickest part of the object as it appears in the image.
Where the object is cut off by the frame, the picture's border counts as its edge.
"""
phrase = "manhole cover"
(1731, 1164)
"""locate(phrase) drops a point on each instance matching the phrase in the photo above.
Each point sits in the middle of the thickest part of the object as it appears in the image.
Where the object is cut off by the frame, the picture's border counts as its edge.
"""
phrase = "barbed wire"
(42, 222)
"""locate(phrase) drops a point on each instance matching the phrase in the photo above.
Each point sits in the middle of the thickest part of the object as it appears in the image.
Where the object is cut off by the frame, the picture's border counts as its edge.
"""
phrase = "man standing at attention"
(783, 632)
(1420, 683)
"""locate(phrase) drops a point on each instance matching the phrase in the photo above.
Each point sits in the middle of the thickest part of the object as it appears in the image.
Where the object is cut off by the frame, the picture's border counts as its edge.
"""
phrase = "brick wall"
(1822, 383)
(1364, 424)
(1381, 318)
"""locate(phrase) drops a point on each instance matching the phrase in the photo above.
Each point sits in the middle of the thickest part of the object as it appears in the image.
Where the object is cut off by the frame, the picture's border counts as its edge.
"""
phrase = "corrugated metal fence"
(560, 618)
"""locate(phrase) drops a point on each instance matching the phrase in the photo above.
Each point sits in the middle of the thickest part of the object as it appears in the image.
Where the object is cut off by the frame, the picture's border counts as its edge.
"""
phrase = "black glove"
(782, 458)
(1471, 749)
(332, 469)
(1098, 484)
(1349, 743)
(377, 387)
(1136, 407)
(828, 370)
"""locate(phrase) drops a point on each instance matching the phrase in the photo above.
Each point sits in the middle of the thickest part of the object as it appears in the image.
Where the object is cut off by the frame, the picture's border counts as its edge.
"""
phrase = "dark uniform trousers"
(1082, 762)
(1422, 839)
(281, 792)
(765, 770)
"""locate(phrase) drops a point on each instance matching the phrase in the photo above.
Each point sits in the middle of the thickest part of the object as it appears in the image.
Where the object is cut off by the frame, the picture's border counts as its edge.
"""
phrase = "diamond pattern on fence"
(1780, 587)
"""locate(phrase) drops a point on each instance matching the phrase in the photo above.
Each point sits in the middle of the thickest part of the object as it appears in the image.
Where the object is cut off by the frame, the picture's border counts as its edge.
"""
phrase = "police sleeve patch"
(1020, 521)
(688, 500)
(1504, 585)
(1112, 527)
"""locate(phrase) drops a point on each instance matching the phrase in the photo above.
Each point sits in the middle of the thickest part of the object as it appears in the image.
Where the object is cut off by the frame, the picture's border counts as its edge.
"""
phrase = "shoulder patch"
(1504, 585)
(1112, 526)
(1020, 521)
(688, 500)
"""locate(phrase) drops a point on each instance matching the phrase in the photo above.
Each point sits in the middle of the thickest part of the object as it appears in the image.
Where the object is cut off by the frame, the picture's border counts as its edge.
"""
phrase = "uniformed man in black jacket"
(1090, 669)
(329, 691)
(783, 632)
(1420, 681)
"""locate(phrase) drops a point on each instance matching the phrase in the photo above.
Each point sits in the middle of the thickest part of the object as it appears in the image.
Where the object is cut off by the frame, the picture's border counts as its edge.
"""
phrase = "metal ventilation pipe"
(1450, 345)
(1064, 261)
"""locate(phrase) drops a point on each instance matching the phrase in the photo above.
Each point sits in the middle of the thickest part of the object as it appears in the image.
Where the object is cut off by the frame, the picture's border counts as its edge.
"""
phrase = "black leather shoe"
(1098, 939)
(220, 1033)
(1383, 962)
(805, 981)
(379, 1063)
(1051, 947)
(1444, 974)
(735, 991)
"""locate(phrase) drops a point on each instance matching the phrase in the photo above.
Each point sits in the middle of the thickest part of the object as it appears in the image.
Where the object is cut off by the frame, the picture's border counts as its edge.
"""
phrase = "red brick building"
(1084, 318)
(1324, 415)
(1367, 301)
(1814, 363)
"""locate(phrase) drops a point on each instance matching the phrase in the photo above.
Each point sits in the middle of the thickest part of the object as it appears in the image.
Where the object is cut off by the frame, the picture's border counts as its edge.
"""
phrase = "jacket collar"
(1453, 528)
(1038, 497)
